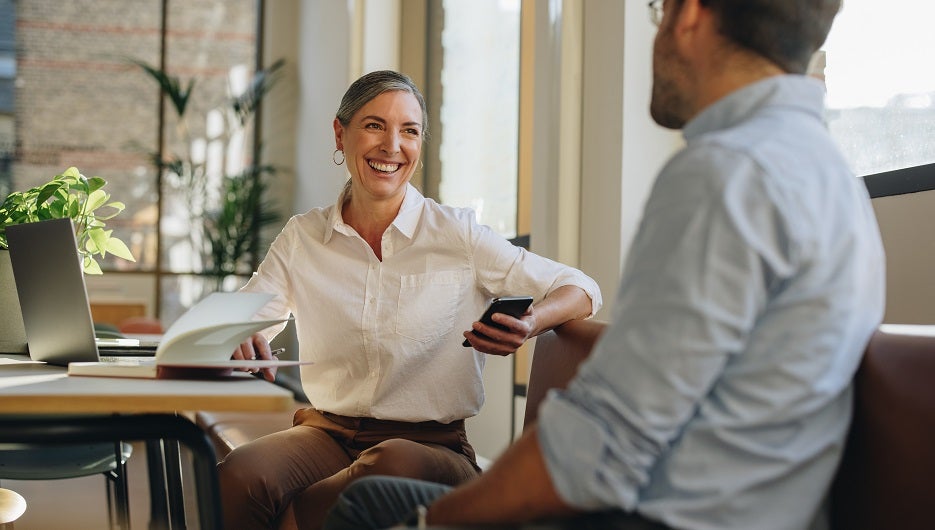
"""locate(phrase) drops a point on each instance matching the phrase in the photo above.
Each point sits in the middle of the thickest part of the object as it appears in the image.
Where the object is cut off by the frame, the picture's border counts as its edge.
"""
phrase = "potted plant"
(73, 195)
(225, 218)
(70, 195)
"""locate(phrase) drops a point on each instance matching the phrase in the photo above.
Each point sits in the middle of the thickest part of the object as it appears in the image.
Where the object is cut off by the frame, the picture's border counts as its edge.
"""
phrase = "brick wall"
(78, 101)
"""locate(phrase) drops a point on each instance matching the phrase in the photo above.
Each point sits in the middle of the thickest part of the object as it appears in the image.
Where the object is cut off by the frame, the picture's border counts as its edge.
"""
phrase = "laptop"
(57, 316)
(52, 294)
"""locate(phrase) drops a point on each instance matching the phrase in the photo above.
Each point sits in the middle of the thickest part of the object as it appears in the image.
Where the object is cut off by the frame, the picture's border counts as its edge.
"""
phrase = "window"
(78, 99)
(7, 83)
(476, 100)
(881, 90)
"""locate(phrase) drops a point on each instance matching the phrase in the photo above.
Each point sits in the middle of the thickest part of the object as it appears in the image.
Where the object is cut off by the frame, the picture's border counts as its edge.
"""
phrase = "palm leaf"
(171, 86)
(245, 104)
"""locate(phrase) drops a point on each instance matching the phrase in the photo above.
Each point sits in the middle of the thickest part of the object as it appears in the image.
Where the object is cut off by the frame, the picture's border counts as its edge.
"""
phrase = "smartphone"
(515, 306)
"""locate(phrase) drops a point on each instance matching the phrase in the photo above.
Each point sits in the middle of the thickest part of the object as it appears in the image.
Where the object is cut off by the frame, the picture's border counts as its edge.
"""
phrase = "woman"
(379, 285)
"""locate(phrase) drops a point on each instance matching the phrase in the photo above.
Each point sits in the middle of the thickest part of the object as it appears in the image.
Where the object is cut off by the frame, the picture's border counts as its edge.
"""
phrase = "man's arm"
(517, 488)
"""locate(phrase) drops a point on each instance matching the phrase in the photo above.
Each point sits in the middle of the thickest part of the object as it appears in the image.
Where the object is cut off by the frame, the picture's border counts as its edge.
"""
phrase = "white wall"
(323, 73)
(910, 256)
(622, 148)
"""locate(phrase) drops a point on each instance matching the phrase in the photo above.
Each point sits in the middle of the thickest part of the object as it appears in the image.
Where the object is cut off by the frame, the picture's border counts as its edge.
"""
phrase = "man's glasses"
(655, 11)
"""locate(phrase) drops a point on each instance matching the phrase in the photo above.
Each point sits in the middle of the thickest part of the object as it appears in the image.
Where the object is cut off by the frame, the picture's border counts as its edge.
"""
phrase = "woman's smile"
(384, 167)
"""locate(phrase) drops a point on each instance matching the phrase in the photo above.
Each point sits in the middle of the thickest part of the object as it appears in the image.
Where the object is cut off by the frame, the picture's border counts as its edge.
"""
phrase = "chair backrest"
(555, 360)
(887, 475)
(141, 324)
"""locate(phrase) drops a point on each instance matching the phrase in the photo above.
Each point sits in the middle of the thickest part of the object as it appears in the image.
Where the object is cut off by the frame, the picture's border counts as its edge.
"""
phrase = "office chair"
(144, 325)
(54, 462)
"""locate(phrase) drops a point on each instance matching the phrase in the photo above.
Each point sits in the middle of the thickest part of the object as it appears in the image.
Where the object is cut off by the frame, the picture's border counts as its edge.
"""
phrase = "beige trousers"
(302, 470)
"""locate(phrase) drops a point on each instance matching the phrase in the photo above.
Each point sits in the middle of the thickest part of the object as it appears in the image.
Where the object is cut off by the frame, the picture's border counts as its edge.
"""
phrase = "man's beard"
(669, 106)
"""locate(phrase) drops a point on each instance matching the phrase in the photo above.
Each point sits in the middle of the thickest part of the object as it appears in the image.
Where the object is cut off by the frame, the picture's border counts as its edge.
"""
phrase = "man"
(720, 394)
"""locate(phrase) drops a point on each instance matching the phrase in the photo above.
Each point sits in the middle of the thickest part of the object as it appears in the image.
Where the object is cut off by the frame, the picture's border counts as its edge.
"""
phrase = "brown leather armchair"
(887, 476)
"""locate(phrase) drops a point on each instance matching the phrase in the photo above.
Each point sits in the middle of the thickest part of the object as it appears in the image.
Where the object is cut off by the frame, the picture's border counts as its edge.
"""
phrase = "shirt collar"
(409, 212)
(796, 91)
(406, 220)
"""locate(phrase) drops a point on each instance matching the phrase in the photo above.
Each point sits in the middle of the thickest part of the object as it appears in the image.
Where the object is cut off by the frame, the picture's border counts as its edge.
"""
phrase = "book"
(199, 344)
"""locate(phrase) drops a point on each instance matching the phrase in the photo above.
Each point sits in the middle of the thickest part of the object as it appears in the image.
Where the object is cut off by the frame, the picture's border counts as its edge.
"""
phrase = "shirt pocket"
(428, 304)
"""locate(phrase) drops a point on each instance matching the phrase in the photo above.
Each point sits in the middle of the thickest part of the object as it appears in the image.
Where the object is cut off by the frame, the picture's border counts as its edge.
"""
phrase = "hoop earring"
(334, 157)
(421, 165)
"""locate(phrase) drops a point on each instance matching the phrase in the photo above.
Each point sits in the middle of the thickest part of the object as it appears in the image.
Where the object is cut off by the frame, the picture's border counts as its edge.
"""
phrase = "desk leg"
(174, 483)
(156, 467)
(145, 427)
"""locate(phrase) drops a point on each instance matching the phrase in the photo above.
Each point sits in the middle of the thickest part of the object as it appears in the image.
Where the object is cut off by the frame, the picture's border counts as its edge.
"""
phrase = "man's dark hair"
(786, 32)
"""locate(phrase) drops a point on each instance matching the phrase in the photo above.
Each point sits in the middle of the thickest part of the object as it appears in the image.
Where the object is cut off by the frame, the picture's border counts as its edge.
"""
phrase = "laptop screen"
(52, 293)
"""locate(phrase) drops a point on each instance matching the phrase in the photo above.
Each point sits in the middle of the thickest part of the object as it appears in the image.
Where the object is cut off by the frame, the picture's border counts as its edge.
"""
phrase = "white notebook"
(201, 342)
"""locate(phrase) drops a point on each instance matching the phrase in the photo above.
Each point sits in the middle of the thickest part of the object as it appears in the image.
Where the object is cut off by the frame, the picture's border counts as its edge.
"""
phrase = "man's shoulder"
(704, 169)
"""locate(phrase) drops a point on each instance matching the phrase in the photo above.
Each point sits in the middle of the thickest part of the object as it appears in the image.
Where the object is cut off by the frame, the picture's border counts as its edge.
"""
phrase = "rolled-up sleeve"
(502, 267)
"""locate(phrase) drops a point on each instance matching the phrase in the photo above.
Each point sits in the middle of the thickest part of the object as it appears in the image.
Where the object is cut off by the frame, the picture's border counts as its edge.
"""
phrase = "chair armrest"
(555, 360)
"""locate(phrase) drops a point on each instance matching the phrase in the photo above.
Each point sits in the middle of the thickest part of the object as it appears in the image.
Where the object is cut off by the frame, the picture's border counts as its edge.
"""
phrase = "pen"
(259, 374)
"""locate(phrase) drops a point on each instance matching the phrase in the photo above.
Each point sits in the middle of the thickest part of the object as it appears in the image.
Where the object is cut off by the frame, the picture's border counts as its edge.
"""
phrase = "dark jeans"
(375, 502)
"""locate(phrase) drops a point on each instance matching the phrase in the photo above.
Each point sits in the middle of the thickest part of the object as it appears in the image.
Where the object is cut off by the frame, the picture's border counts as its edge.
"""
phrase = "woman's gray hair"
(372, 85)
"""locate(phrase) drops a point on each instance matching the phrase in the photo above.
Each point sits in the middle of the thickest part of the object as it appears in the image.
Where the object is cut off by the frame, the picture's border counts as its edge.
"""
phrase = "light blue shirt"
(720, 395)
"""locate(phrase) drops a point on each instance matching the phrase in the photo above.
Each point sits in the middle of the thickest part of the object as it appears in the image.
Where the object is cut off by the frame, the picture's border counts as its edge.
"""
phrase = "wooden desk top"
(38, 388)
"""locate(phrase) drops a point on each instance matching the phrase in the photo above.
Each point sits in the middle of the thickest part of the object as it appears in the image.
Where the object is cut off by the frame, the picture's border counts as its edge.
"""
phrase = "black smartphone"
(514, 306)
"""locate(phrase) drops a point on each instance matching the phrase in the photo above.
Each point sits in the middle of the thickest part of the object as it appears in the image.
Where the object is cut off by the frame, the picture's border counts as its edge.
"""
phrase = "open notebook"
(200, 341)
(57, 317)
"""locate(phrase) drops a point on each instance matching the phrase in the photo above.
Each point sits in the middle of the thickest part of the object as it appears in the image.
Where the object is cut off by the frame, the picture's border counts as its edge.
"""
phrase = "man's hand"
(516, 489)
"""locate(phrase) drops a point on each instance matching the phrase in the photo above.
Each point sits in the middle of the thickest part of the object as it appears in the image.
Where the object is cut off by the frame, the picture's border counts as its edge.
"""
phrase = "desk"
(128, 410)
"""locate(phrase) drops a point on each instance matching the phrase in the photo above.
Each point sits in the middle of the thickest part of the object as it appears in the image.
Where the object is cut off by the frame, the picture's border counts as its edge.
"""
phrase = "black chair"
(27, 461)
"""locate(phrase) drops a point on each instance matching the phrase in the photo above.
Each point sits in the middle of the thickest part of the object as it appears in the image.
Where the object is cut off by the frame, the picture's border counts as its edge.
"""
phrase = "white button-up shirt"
(385, 336)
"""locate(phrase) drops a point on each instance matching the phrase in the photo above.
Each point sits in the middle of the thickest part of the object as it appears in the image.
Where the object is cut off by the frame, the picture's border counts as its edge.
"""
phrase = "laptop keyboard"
(127, 359)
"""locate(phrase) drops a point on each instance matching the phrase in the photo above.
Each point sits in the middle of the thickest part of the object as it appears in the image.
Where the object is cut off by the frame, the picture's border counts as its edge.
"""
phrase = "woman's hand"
(500, 341)
(256, 347)
(566, 303)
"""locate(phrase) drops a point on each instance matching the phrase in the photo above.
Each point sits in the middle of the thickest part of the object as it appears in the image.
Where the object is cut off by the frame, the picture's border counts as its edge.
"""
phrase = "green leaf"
(47, 191)
(245, 105)
(57, 209)
(119, 249)
(97, 240)
(116, 206)
(91, 266)
(170, 85)
(79, 184)
(96, 199)
(96, 183)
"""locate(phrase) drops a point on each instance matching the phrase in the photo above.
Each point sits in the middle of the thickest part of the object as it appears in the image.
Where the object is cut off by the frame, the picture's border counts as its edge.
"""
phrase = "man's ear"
(338, 135)
(686, 24)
